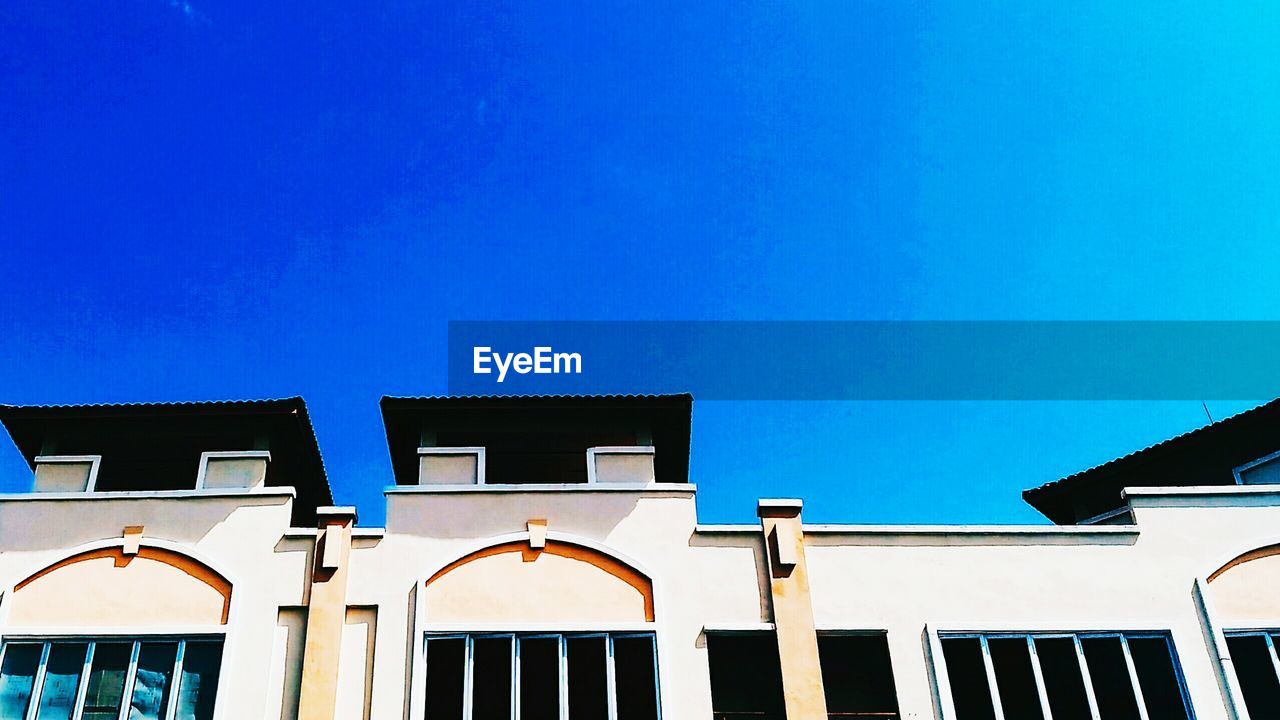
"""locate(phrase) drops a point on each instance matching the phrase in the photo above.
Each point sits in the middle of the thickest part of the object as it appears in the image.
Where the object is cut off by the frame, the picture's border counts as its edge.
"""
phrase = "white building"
(542, 559)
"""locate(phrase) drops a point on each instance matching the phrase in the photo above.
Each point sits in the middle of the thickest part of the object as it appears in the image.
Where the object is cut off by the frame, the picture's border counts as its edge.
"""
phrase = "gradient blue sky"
(204, 199)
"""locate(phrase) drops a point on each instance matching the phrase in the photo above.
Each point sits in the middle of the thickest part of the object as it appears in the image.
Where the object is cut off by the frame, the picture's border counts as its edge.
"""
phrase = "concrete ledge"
(727, 529)
(1204, 496)
(274, 492)
(945, 535)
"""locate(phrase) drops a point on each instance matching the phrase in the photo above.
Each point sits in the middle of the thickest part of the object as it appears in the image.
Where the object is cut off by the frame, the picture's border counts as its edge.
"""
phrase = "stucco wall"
(895, 579)
(235, 533)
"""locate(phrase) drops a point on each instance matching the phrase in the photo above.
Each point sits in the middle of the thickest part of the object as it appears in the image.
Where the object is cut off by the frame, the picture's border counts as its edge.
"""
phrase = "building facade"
(542, 559)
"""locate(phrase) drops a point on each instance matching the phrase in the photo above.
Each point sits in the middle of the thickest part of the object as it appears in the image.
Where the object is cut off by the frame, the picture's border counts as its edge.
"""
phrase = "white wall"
(889, 578)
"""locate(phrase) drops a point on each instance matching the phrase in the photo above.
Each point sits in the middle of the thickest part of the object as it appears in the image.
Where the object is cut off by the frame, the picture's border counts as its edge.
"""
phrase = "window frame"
(562, 668)
(1236, 471)
(1231, 675)
(942, 684)
(136, 639)
(1266, 634)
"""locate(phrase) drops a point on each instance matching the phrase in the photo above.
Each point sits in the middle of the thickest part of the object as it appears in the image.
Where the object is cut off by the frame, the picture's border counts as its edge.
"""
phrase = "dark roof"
(1207, 455)
(98, 428)
(667, 417)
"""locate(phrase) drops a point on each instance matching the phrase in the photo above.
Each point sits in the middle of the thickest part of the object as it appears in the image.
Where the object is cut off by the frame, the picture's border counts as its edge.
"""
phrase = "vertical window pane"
(1110, 675)
(446, 659)
(637, 689)
(539, 679)
(968, 676)
(491, 679)
(1256, 673)
(857, 677)
(17, 676)
(61, 681)
(588, 678)
(1015, 680)
(198, 686)
(106, 680)
(151, 685)
(745, 677)
(1158, 676)
(1063, 683)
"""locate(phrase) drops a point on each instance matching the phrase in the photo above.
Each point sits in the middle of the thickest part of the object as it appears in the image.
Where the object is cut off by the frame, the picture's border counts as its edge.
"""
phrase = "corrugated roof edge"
(294, 401)
(1136, 454)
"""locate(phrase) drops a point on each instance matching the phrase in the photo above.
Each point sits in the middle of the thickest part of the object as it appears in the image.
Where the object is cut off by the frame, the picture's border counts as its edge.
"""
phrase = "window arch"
(104, 587)
(561, 582)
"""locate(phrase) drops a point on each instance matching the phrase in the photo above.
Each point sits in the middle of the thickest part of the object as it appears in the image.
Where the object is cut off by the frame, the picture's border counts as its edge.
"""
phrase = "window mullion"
(1039, 673)
(515, 680)
(468, 676)
(1088, 679)
(37, 687)
(657, 682)
(1133, 678)
(564, 676)
(515, 668)
(991, 678)
(611, 678)
(130, 678)
(1275, 657)
(175, 683)
(83, 691)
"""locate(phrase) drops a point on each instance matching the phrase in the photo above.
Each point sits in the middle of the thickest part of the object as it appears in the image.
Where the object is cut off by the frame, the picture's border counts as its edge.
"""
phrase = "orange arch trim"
(604, 562)
(1243, 558)
(186, 564)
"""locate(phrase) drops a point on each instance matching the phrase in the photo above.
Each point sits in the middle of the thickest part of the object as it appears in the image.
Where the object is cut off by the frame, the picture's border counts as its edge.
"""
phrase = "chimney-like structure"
(326, 613)
(797, 636)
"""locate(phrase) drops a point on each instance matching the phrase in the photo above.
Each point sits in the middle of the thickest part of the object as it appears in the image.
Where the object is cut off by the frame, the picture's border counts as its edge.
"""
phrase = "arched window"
(517, 631)
(90, 636)
(1247, 609)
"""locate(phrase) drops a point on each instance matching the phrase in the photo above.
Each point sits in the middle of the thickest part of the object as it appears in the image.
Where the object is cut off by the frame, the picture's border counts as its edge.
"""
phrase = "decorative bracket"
(537, 534)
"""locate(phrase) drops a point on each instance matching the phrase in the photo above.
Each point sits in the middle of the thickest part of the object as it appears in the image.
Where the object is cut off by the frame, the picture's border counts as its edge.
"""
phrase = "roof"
(97, 428)
(1207, 455)
(667, 417)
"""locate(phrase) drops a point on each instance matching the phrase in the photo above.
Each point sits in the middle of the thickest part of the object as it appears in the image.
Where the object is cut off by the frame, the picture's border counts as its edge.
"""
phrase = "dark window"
(746, 680)
(1015, 678)
(540, 678)
(491, 679)
(857, 677)
(1252, 655)
(588, 678)
(446, 671)
(470, 677)
(201, 664)
(1110, 676)
(1063, 683)
(1158, 677)
(1122, 669)
(635, 672)
(967, 673)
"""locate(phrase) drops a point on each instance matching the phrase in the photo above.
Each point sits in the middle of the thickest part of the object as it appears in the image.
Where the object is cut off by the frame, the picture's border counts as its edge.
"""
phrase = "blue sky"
(207, 200)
